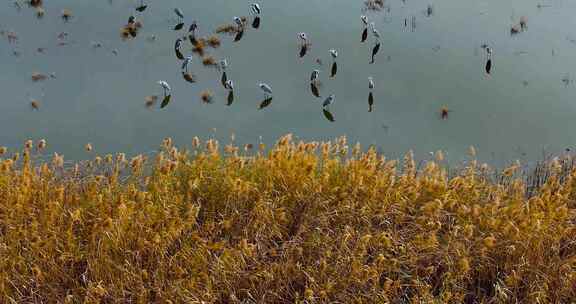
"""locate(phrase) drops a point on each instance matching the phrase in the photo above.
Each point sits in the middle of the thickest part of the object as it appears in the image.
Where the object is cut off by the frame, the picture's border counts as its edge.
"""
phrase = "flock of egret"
(304, 39)
(238, 27)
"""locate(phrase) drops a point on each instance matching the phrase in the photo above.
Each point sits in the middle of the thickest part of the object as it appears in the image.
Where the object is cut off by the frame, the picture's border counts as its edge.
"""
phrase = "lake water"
(521, 110)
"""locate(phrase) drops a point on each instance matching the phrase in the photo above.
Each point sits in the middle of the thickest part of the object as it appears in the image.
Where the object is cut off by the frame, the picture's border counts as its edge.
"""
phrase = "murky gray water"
(98, 97)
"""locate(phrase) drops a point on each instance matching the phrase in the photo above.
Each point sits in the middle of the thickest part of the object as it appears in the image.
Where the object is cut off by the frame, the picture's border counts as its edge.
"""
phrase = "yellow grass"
(294, 223)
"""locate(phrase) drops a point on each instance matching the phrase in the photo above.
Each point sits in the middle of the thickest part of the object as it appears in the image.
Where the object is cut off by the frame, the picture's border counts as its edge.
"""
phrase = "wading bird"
(180, 25)
(314, 76)
(266, 89)
(255, 9)
(370, 94)
(142, 7)
(267, 95)
(374, 30)
(239, 35)
(365, 31)
(238, 21)
(315, 90)
(328, 115)
(193, 27)
(223, 64)
(167, 94)
(328, 101)
(186, 63)
(314, 83)
(165, 86)
(179, 13)
(229, 85)
(334, 54)
(375, 50)
(177, 45)
(303, 44)
(334, 68)
(488, 66)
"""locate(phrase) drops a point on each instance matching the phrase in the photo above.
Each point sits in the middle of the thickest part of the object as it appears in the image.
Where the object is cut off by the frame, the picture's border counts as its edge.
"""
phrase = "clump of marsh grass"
(206, 96)
(66, 15)
(40, 12)
(209, 61)
(227, 29)
(35, 3)
(213, 41)
(150, 101)
(35, 104)
(198, 46)
(295, 222)
(130, 29)
(37, 76)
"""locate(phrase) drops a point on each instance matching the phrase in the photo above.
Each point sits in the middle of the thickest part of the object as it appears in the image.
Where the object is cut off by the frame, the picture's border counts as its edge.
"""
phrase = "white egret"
(179, 13)
(314, 76)
(333, 53)
(238, 21)
(328, 101)
(229, 84)
(255, 8)
(165, 86)
(266, 89)
(374, 30)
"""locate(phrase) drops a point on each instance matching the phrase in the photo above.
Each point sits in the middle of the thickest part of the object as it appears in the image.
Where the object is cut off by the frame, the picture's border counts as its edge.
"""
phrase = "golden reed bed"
(299, 223)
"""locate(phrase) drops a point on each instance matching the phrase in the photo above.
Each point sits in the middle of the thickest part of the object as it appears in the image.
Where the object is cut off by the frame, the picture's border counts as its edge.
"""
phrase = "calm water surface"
(524, 108)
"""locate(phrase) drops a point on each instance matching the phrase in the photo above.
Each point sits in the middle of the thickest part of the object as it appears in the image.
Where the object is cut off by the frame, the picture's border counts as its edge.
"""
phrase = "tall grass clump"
(298, 222)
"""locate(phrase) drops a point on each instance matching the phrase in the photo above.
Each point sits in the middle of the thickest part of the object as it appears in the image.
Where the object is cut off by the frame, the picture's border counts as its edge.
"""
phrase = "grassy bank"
(302, 222)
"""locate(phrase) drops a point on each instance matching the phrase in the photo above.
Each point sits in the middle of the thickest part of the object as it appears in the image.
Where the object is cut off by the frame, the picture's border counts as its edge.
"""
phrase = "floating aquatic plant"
(209, 61)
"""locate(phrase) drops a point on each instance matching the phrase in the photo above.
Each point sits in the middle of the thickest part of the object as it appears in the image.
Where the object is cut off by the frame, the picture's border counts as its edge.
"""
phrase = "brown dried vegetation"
(302, 222)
